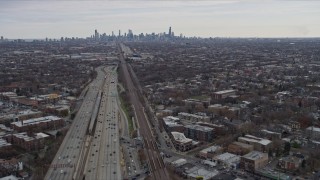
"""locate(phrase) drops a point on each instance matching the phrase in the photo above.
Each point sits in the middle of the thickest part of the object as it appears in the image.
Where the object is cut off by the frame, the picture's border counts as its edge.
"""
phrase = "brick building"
(259, 144)
(27, 142)
(210, 152)
(180, 142)
(253, 161)
(290, 163)
(42, 123)
(172, 124)
(219, 129)
(240, 148)
(223, 94)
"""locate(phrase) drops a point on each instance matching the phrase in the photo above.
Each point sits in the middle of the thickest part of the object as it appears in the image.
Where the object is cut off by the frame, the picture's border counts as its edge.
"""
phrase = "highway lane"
(157, 168)
(104, 159)
(69, 151)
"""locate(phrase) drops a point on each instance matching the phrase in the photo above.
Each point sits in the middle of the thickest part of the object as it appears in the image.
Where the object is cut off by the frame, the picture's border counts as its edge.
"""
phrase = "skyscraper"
(170, 31)
(96, 35)
(130, 34)
(119, 33)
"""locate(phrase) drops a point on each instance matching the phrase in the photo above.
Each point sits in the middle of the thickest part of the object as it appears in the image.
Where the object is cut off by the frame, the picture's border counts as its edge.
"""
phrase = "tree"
(73, 115)
(59, 134)
(300, 104)
(303, 163)
(287, 147)
(270, 153)
(64, 113)
(295, 145)
(277, 152)
(18, 91)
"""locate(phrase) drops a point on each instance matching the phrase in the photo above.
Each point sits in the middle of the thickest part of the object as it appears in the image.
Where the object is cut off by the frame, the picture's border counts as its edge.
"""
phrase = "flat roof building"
(171, 124)
(228, 159)
(42, 123)
(313, 132)
(26, 141)
(210, 152)
(179, 162)
(259, 144)
(199, 133)
(196, 172)
(4, 143)
(180, 142)
(253, 161)
(193, 117)
(223, 94)
(240, 148)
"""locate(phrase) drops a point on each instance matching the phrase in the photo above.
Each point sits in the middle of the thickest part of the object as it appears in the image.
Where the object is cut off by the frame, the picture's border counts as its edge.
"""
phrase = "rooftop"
(254, 139)
(28, 111)
(180, 137)
(242, 144)
(24, 136)
(255, 155)
(41, 135)
(198, 171)
(215, 105)
(171, 118)
(4, 143)
(291, 159)
(36, 121)
(8, 94)
(313, 128)
(225, 91)
(269, 132)
(210, 149)
(192, 115)
(4, 128)
(228, 157)
(11, 177)
(179, 162)
(199, 128)
(171, 121)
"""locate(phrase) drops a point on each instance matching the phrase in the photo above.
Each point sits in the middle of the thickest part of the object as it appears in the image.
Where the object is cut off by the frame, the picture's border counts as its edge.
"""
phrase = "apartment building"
(42, 123)
(199, 133)
(223, 94)
(253, 161)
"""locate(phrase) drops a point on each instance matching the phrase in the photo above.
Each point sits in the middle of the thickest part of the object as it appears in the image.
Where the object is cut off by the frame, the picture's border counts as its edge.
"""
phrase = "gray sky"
(250, 18)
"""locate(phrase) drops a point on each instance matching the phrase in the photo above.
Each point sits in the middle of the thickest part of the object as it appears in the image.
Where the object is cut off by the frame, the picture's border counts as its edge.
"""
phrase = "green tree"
(295, 145)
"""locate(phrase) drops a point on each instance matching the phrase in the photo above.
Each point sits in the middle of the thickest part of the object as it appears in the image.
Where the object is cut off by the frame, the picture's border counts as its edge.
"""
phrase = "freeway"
(71, 149)
(103, 160)
(157, 167)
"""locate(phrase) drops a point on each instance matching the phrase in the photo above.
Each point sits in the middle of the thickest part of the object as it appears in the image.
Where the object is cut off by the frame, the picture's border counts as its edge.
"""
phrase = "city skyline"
(38, 20)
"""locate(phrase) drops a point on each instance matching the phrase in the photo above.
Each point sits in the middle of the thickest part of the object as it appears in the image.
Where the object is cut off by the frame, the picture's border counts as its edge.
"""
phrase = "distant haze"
(55, 19)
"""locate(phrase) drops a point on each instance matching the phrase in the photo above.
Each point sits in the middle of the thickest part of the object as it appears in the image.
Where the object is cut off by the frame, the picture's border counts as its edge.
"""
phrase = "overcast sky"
(255, 18)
